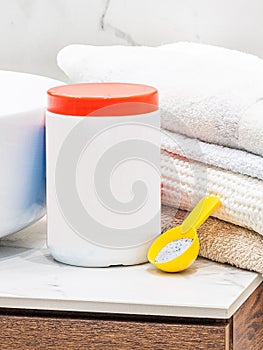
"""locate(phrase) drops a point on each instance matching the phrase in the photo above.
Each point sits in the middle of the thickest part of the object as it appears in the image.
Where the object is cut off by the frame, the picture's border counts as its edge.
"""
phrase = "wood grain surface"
(34, 333)
(45, 330)
(248, 323)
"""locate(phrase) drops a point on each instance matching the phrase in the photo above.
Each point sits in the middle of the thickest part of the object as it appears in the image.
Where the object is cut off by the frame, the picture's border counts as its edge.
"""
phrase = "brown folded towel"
(221, 241)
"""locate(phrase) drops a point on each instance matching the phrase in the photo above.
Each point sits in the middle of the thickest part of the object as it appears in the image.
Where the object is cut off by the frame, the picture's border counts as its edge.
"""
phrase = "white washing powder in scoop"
(173, 249)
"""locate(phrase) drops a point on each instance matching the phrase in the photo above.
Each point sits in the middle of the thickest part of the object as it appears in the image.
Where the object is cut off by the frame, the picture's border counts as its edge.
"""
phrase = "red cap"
(102, 99)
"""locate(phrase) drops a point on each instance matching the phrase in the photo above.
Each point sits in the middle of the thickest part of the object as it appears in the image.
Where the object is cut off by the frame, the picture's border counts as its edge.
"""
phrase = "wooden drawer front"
(248, 323)
(33, 333)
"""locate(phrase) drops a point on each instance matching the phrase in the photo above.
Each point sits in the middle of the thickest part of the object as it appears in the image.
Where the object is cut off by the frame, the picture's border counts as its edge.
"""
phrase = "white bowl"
(22, 149)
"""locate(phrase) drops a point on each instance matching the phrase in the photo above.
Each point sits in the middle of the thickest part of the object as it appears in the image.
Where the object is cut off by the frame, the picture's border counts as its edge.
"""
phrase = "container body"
(103, 188)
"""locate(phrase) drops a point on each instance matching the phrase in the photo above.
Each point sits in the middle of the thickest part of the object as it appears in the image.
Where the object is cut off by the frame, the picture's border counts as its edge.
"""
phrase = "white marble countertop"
(31, 279)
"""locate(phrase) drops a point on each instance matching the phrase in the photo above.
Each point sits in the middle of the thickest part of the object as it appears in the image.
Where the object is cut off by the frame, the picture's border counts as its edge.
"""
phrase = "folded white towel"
(185, 182)
(240, 162)
(210, 93)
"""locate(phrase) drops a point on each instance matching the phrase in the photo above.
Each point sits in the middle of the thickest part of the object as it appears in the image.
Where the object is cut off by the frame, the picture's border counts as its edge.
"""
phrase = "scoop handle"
(200, 213)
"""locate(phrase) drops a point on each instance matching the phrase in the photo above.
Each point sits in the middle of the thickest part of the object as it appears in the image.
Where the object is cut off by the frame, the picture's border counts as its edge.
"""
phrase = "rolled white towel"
(206, 92)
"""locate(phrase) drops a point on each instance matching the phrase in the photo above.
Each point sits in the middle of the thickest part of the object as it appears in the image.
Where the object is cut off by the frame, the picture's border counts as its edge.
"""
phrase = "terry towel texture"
(221, 241)
(237, 161)
(184, 182)
(206, 92)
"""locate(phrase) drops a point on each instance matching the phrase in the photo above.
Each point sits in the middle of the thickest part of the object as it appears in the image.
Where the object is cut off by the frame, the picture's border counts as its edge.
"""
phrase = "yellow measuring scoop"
(182, 241)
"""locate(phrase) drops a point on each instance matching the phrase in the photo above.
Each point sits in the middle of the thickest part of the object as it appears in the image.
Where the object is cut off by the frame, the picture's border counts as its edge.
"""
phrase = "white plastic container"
(103, 173)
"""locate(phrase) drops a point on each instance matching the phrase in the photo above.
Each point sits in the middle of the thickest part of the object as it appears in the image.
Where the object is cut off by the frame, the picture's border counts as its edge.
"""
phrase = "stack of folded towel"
(211, 103)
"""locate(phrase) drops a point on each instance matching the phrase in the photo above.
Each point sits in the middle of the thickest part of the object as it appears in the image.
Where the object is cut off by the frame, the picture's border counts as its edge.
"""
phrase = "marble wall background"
(32, 31)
